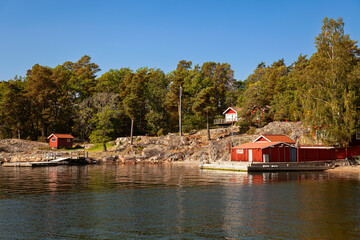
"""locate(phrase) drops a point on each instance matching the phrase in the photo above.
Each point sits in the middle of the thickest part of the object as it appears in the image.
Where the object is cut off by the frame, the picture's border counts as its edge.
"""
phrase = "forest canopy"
(322, 91)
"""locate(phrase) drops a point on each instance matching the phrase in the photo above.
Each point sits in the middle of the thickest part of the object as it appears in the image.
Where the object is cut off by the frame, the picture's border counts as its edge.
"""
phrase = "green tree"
(156, 90)
(133, 98)
(83, 80)
(111, 80)
(286, 104)
(104, 106)
(205, 104)
(172, 102)
(14, 108)
(41, 90)
(331, 93)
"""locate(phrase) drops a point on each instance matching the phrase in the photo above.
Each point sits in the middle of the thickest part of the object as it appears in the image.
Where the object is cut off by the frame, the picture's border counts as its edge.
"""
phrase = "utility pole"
(180, 128)
(131, 131)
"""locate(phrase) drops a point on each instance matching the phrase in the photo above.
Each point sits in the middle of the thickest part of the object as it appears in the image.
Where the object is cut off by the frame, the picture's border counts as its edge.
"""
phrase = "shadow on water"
(176, 202)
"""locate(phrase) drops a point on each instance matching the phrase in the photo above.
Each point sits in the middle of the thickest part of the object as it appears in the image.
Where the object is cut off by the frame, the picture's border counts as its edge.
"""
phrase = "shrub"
(42, 139)
(251, 131)
(160, 132)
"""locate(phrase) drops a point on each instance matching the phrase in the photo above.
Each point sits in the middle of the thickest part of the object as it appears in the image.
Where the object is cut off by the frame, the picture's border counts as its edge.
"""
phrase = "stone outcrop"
(195, 147)
(20, 150)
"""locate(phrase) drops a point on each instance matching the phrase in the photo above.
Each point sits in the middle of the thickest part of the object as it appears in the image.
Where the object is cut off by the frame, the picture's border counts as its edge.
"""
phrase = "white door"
(250, 155)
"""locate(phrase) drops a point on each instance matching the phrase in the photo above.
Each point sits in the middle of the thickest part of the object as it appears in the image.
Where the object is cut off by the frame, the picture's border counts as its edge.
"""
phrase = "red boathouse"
(264, 152)
(60, 140)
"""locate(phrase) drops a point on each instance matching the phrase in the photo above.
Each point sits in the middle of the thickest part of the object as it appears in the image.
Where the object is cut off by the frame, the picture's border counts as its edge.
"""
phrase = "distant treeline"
(322, 91)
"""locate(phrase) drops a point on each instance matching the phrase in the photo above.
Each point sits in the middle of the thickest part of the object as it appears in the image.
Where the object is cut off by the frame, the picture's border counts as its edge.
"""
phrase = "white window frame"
(53, 140)
(357, 134)
(240, 151)
(68, 140)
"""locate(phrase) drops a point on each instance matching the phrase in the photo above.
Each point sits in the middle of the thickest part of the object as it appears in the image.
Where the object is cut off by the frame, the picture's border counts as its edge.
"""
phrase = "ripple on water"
(175, 202)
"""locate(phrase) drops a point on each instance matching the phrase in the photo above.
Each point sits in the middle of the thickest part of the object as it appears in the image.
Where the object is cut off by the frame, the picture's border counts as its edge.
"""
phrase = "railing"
(225, 121)
(73, 155)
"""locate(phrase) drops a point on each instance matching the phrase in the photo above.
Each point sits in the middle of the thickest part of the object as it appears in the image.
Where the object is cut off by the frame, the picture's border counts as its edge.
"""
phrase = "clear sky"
(160, 33)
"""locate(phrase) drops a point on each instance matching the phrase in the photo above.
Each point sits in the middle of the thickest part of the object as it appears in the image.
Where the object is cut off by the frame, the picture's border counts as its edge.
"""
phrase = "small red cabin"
(60, 140)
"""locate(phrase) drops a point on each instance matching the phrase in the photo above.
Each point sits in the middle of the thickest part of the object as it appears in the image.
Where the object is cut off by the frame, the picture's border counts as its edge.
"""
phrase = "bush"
(42, 139)
(160, 132)
(251, 131)
(244, 126)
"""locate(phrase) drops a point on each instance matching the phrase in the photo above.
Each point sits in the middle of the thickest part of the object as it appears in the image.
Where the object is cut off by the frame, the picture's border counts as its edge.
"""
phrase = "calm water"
(176, 202)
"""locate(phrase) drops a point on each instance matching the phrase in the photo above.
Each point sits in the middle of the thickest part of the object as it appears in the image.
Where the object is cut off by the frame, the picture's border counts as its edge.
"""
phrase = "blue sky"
(160, 33)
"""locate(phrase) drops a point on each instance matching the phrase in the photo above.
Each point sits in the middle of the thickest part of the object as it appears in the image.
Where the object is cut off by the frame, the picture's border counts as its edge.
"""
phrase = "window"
(68, 140)
(321, 134)
(240, 151)
(53, 140)
(357, 134)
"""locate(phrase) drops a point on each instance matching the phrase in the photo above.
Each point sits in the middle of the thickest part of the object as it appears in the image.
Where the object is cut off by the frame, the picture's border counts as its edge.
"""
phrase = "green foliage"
(331, 84)
(105, 109)
(251, 131)
(42, 139)
(160, 132)
(244, 125)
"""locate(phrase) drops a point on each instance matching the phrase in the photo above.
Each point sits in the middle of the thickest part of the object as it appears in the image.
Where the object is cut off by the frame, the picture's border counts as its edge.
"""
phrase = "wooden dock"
(33, 164)
(268, 167)
(226, 165)
(290, 166)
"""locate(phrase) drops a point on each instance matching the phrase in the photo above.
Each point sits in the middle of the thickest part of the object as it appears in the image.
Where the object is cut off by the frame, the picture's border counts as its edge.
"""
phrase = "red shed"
(60, 140)
(264, 152)
(325, 153)
(317, 153)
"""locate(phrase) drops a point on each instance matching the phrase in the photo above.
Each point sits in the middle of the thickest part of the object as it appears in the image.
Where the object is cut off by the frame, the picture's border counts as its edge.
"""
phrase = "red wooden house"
(231, 116)
(60, 140)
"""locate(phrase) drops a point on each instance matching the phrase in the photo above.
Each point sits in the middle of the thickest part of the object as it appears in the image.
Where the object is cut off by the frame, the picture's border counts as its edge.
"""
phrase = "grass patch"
(98, 147)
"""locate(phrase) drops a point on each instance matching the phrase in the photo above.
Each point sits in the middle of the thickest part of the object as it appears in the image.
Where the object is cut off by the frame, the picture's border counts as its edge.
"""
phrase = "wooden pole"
(298, 154)
(207, 126)
(180, 128)
(131, 131)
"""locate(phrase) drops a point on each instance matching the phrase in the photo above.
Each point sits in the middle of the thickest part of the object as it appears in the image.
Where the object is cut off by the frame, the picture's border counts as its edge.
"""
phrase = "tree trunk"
(207, 126)
(43, 130)
(131, 131)
(104, 146)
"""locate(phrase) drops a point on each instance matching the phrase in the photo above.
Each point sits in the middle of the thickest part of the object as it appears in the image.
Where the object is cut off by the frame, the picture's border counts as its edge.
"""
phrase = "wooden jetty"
(226, 165)
(53, 159)
(268, 167)
(290, 166)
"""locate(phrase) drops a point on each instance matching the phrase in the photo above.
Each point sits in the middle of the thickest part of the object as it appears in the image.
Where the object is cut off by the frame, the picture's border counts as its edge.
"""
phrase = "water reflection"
(175, 202)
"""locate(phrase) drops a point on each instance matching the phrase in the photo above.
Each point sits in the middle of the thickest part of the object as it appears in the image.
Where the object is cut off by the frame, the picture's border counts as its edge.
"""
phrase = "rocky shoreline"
(170, 148)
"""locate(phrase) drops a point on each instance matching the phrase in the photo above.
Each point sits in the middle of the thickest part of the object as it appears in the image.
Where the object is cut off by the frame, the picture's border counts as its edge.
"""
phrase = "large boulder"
(154, 150)
(121, 140)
